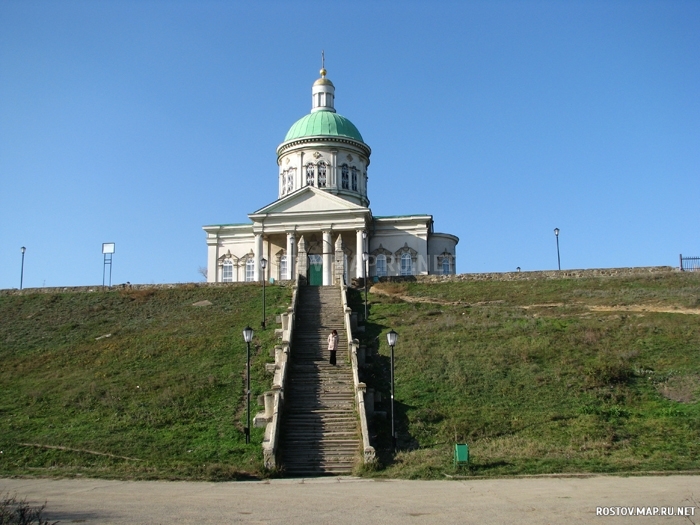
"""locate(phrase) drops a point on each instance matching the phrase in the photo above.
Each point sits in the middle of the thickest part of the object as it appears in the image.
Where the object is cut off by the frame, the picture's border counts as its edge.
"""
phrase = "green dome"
(323, 123)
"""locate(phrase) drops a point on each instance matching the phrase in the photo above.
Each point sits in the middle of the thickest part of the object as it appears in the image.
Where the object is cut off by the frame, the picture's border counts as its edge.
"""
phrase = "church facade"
(321, 225)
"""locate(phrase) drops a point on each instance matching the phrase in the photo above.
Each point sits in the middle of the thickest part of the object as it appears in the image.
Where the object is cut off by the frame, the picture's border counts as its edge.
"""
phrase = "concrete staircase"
(320, 427)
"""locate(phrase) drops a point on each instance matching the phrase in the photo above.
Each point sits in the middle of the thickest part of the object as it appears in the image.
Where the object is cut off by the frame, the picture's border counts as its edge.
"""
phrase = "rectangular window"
(283, 267)
(406, 268)
(446, 266)
(354, 179)
(345, 180)
(250, 270)
(381, 265)
(322, 175)
(227, 272)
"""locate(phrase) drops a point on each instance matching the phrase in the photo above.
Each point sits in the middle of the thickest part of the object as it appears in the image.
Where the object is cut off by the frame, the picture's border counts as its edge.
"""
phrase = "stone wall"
(128, 286)
(503, 276)
(530, 276)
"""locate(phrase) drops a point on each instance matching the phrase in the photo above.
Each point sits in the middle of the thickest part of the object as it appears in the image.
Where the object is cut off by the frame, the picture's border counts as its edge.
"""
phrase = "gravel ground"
(346, 500)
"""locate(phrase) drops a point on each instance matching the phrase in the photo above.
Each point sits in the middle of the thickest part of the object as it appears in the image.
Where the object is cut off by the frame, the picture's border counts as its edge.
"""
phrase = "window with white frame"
(406, 264)
(321, 174)
(283, 267)
(345, 177)
(227, 271)
(310, 175)
(250, 269)
(446, 266)
(290, 181)
(354, 179)
(381, 265)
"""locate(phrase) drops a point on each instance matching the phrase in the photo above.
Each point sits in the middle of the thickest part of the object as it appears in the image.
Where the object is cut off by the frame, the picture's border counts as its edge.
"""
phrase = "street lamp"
(263, 265)
(556, 234)
(247, 337)
(21, 275)
(391, 338)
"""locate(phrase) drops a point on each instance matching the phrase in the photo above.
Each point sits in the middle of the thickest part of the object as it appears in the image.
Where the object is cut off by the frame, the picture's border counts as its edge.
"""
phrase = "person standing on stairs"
(333, 345)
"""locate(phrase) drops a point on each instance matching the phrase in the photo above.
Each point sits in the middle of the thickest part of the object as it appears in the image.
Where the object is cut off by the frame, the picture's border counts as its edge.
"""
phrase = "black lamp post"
(21, 274)
(263, 265)
(556, 234)
(247, 337)
(391, 338)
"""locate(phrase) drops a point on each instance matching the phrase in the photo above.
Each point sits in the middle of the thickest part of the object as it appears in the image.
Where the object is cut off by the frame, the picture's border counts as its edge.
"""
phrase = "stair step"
(320, 432)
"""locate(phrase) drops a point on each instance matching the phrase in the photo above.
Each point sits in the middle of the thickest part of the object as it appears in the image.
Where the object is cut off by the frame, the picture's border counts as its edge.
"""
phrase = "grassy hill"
(597, 374)
(141, 375)
(594, 374)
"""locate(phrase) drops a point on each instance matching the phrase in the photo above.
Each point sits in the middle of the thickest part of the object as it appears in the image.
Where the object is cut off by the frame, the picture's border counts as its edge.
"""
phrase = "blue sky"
(140, 122)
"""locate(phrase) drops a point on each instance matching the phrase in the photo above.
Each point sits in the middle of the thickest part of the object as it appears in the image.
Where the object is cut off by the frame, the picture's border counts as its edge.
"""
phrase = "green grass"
(541, 389)
(541, 376)
(164, 389)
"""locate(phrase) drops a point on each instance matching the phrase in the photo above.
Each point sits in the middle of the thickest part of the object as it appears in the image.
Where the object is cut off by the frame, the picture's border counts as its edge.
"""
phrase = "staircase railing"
(274, 400)
(368, 455)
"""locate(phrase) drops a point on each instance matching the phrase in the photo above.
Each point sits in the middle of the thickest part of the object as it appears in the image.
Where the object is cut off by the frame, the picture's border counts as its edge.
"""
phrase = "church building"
(321, 226)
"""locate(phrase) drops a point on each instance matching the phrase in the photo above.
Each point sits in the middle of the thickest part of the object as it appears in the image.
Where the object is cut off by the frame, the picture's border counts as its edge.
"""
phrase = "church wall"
(406, 235)
(438, 245)
(274, 247)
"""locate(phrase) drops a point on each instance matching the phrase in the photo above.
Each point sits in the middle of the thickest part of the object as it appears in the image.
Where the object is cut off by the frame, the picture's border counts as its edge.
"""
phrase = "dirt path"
(628, 308)
(352, 501)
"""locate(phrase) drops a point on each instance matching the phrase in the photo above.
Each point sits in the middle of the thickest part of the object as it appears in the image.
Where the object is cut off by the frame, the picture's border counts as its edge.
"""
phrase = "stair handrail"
(368, 455)
(270, 442)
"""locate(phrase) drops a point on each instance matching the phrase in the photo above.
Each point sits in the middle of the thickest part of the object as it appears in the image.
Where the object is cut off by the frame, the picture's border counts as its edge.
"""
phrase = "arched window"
(446, 266)
(283, 268)
(290, 181)
(381, 265)
(227, 271)
(321, 174)
(406, 266)
(345, 177)
(310, 175)
(250, 269)
(354, 179)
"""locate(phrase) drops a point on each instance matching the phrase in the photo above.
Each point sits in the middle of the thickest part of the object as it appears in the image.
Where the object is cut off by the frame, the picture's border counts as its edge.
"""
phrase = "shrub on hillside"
(19, 512)
(609, 372)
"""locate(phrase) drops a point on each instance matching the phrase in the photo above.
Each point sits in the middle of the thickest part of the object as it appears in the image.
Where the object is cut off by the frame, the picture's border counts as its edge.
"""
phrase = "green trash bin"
(461, 454)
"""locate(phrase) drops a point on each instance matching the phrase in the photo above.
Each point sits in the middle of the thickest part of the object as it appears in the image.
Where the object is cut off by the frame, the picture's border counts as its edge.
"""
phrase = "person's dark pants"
(332, 361)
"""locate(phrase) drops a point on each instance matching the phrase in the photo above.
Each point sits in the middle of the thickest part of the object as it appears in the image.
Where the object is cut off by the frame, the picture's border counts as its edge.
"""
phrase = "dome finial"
(323, 91)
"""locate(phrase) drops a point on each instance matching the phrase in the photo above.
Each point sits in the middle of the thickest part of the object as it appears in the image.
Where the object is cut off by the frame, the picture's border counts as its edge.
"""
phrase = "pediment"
(308, 200)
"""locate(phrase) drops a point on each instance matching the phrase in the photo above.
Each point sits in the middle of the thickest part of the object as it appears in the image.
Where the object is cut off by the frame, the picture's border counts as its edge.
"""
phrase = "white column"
(212, 261)
(291, 255)
(258, 252)
(327, 257)
(359, 250)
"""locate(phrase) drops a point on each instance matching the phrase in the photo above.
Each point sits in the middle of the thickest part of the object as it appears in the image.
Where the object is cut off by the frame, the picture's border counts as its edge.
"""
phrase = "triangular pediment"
(308, 200)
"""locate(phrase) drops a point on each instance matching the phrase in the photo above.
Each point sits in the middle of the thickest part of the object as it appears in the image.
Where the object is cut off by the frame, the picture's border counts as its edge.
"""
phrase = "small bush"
(19, 512)
(609, 373)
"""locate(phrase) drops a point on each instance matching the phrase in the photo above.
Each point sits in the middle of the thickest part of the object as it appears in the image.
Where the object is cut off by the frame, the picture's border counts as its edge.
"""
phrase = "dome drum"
(338, 168)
